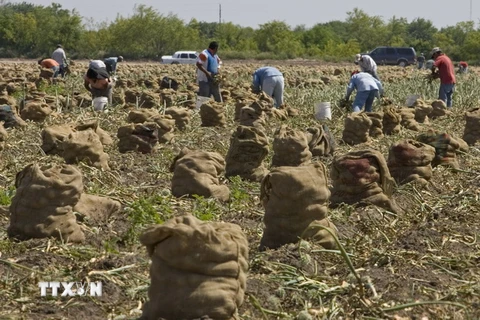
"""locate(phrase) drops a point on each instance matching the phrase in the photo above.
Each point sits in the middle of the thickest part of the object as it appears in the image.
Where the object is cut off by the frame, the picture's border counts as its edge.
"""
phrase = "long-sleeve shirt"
(367, 64)
(260, 74)
(59, 56)
(363, 82)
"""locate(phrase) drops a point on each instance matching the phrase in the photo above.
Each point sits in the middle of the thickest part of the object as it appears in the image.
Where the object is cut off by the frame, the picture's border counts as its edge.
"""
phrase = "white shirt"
(367, 64)
(203, 59)
(59, 56)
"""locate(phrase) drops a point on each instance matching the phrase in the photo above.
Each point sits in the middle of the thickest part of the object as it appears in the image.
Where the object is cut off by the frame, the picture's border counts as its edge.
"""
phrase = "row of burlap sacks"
(360, 127)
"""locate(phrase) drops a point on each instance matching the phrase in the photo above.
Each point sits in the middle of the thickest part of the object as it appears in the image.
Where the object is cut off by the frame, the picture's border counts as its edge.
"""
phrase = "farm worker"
(367, 89)
(443, 69)
(367, 64)
(462, 67)
(111, 63)
(421, 61)
(99, 84)
(269, 80)
(429, 64)
(50, 64)
(59, 56)
(208, 64)
(97, 64)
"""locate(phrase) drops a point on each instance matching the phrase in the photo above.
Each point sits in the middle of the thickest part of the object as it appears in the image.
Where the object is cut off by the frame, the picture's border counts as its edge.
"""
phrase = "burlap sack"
(167, 97)
(84, 100)
(85, 146)
(181, 117)
(320, 141)
(293, 197)
(320, 236)
(212, 114)
(148, 100)
(196, 173)
(422, 110)
(96, 208)
(46, 74)
(248, 149)
(54, 136)
(376, 129)
(43, 202)
(439, 109)
(138, 137)
(357, 128)
(9, 118)
(446, 147)
(142, 115)
(290, 147)
(391, 120)
(251, 117)
(103, 135)
(118, 96)
(239, 105)
(408, 119)
(3, 136)
(35, 111)
(410, 161)
(198, 269)
(362, 177)
(471, 133)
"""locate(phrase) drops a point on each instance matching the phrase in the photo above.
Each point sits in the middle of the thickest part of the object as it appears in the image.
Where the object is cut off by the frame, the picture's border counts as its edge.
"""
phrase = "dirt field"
(422, 263)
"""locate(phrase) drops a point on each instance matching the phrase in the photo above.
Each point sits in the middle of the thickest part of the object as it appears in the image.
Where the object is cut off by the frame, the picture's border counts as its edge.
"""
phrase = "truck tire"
(403, 63)
(175, 62)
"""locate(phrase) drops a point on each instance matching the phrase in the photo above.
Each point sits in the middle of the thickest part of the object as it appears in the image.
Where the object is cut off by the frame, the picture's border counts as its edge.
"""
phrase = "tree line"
(33, 31)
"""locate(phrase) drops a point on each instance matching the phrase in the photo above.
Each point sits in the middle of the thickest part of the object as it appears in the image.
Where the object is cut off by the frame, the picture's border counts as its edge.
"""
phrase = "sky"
(294, 12)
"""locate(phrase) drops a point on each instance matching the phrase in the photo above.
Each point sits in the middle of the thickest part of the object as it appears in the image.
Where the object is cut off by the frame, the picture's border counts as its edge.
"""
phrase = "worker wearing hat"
(443, 68)
(367, 64)
(60, 57)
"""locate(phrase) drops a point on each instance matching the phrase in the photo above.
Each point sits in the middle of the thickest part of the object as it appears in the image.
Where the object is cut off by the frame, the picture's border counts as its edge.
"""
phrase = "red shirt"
(463, 64)
(445, 69)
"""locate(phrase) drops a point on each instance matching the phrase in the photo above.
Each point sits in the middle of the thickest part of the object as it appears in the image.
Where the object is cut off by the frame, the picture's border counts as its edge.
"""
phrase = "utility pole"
(220, 13)
(470, 10)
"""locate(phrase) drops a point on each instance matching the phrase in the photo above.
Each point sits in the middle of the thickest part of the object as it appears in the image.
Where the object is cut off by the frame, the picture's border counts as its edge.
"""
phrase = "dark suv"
(402, 56)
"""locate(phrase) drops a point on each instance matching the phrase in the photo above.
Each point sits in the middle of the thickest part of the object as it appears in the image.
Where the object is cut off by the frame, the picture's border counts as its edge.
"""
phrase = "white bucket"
(323, 111)
(201, 100)
(411, 99)
(99, 103)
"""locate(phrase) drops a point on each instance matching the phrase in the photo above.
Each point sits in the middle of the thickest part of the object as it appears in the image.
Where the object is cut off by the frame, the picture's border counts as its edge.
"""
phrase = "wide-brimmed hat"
(358, 56)
(435, 50)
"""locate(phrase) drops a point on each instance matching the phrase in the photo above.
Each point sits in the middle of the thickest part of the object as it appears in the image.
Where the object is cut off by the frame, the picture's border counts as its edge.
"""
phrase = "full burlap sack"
(198, 269)
(319, 235)
(471, 134)
(248, 149)
(239, 105)
(408, 119)
(43, 202)
(422, 111)
(181, 117)
(54, 136)
(3, 136)
(320, 141)
(46, 74)
(252, 117)
(391, 120)
(293, 197)
(410, 161)
(166, 124)
(439, 109)
(9, 118)
(290, 147)
(362, 177)
(167, 97)
(35, 111)
(357, 128)
(138, 137)
(85, 145)
(96, 208)
(197, 173)
(142, 115)
(376, 129)
(212, 114)
(446, 146)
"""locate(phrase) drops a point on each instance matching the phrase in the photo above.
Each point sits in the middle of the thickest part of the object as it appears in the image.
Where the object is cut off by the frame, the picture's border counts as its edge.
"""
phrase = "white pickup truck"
(181, 57)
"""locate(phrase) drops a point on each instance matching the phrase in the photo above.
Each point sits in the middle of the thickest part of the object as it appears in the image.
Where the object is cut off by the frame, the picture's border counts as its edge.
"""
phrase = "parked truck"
(181, 57)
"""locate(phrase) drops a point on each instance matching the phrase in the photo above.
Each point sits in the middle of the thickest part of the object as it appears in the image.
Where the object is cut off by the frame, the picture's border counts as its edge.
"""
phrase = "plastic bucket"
(323, 111)
(99, 103)
(201, 100)
(411, 99)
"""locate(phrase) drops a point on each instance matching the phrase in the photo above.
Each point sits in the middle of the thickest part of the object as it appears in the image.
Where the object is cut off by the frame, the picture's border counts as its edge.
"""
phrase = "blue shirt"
(363, 82)
(260, 74)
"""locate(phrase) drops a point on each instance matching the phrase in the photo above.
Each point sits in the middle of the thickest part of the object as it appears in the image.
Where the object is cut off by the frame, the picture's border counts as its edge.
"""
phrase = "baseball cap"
(435, 50)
